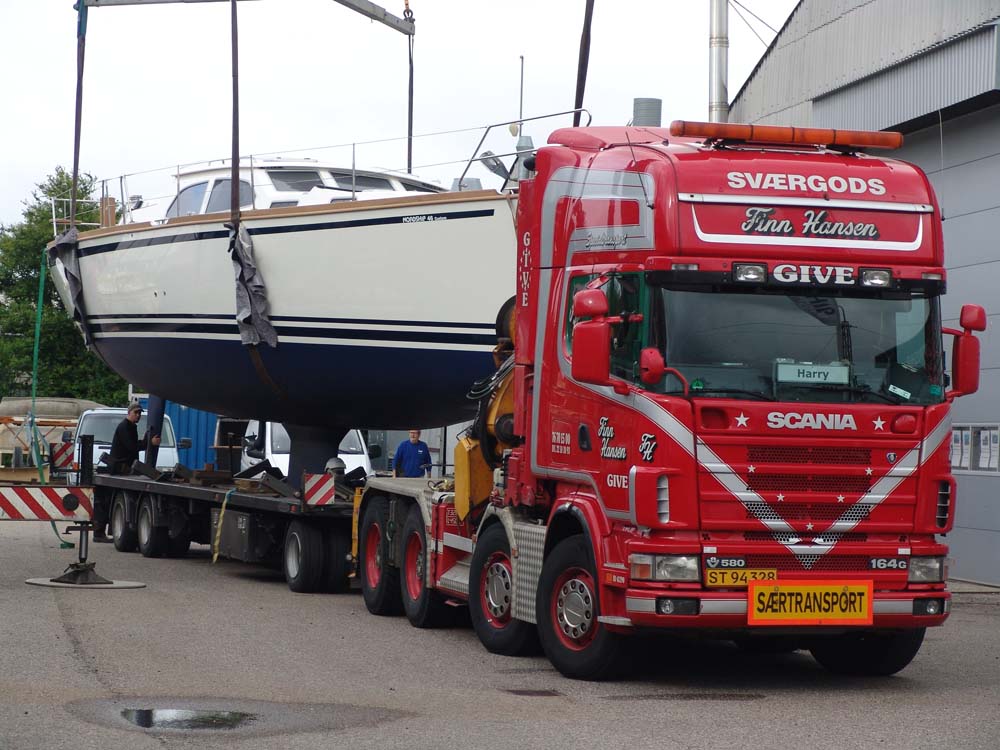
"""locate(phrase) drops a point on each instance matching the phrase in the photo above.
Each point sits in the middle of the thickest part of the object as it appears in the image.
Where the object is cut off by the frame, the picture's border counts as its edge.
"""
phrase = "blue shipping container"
(195, 424)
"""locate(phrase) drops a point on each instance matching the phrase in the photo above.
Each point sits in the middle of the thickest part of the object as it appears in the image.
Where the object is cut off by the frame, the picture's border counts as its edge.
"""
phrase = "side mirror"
(184, 443)
(652, 368)
(254, 453)
(374, 451)
(592, 352)
(67, 436)
(973, 318)
(590, 303)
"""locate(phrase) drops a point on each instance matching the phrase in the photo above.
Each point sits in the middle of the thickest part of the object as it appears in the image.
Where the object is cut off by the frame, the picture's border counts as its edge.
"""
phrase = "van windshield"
(102, 427)
(282, 443)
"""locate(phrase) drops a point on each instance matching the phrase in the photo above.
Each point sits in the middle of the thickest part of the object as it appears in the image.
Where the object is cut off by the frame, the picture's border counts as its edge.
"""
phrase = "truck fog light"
(677, 606)
(750, 272)
(685, 266)
(927, 570)
(928, 606)
(880, 277)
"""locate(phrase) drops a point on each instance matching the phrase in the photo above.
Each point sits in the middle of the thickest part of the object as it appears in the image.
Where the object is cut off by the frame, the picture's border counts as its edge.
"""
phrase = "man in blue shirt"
(413, 457)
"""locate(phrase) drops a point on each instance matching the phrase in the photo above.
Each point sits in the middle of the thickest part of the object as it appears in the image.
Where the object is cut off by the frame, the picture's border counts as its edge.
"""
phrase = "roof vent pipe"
(647, 112)
(718, 62)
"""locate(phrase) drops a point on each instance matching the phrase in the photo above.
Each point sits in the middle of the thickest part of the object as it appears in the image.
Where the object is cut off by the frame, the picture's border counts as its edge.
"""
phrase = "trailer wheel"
(152, 539)
(303, 557)
(567, 608)
(338, 558)
(491, 592)
(125, 538)
(423, 606)
(379, 581)
(868, 654)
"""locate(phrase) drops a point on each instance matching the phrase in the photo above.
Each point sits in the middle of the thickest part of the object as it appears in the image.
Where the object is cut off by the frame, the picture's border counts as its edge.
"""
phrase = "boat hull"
(385, 311)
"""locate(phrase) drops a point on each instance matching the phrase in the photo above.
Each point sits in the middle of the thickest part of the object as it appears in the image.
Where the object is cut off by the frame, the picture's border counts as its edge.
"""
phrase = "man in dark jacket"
(125, 447)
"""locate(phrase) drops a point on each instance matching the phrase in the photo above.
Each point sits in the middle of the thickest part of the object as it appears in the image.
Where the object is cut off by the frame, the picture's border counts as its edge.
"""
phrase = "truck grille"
(788, 454)
(824, 563)
(832, 483)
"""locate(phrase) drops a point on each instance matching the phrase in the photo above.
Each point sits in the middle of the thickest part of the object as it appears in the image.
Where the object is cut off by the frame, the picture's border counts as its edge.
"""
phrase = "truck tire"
(124, 536)
(870, 654)
(423, 606)
(152, 539)
(303, 557)
(338, 558)
(567, 608)
(379, 582)
(491, 590)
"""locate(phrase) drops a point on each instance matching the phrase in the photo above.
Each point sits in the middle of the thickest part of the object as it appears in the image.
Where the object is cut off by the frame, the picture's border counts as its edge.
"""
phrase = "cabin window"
(283, 204)
(362, 182)
(287, 180)
(188, 201)
(220, 198)
(627, 298)
(417, 188)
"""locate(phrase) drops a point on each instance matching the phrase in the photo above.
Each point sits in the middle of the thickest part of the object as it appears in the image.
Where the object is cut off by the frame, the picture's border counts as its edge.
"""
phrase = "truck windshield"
(801, 347)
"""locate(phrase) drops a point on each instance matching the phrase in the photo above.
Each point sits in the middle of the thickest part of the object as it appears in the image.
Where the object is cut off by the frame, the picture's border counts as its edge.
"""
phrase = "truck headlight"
(927, 570)
(665, 567)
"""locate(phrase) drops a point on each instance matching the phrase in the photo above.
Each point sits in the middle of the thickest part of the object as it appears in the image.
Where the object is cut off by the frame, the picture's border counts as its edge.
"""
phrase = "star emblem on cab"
(741, 420)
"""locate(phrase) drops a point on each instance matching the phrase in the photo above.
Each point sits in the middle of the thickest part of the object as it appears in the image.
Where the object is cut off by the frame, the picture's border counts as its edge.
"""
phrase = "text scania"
(800, 182)
(794, 421)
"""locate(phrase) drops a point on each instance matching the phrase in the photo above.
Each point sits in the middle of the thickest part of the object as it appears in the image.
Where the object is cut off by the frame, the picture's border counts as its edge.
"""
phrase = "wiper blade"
(757, 394)
(854, 391)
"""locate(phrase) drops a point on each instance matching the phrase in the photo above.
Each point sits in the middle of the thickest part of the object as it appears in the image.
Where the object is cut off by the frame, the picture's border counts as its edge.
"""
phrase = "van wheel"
(303, 557)
(869, 654)
(379, 580)
(567, 608)
(423, 606)
(152, 539)
(338, 558)
(491, 597)
(125, 538)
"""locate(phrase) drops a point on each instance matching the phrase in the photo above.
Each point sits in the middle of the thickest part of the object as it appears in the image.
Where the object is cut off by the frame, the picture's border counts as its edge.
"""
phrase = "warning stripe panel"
(62, 456)
(44, 503)
(319, 489)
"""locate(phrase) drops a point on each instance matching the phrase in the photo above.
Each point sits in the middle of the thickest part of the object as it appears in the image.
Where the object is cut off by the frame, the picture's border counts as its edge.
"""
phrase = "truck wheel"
(303, 557)
(125, 538)
(338, 558)
(567, 608)
(152, 539)
(423, 606)
(379, 580)
(869, 654)
(491, 592)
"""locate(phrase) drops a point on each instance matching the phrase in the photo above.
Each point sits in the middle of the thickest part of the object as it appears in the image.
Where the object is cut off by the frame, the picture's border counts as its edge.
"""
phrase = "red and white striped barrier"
(44, 503)
(62, 455)
(319, 489)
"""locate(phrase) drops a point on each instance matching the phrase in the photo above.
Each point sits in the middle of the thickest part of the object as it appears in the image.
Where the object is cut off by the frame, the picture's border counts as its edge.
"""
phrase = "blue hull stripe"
(216, 234)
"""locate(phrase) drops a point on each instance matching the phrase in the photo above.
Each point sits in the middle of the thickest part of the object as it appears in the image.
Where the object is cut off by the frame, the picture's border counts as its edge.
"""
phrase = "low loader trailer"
(721, 409)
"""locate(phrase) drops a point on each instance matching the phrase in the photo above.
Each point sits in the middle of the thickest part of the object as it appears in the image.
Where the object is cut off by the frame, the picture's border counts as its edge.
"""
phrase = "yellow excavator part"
(473, 477)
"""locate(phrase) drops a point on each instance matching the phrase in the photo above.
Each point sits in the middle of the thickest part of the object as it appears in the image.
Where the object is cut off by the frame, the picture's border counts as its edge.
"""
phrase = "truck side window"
(627, 296)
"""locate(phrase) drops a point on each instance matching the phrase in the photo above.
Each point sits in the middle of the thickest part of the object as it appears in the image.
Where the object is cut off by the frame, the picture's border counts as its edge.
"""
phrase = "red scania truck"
(724, 410)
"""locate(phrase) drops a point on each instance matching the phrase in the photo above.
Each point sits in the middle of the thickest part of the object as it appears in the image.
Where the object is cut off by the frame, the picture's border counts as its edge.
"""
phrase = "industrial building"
(931, 70)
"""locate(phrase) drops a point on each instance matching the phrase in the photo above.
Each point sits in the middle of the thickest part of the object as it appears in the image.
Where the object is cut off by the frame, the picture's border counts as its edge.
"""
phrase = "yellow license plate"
(732, 577)
(809, 603)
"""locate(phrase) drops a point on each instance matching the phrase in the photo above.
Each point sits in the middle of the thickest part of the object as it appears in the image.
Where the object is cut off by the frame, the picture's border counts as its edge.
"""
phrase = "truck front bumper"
(728, 610)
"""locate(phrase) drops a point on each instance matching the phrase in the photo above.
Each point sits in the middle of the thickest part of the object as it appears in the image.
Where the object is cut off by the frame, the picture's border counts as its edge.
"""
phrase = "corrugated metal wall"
(828, 44)
(197, 425)
(962, 160)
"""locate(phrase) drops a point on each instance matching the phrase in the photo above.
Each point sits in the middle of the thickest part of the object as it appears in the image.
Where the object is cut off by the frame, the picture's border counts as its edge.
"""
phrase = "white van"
(275, 445)
(101, 423)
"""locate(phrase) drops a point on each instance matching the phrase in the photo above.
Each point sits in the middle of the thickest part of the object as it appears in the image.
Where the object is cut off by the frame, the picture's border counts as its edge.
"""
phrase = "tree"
(65, 367)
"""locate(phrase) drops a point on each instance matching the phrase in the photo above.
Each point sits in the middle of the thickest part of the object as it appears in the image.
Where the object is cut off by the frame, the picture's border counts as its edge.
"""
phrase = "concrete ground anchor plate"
(113, 585)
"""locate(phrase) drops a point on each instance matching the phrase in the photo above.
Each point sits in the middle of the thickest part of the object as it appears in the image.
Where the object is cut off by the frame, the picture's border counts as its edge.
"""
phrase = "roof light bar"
(777, 134)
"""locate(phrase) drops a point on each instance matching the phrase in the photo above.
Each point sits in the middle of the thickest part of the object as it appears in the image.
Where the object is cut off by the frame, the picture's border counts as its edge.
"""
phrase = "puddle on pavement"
(181, 718)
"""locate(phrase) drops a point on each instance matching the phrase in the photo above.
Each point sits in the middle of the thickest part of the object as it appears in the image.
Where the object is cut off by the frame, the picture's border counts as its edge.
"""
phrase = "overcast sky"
(315, 74)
